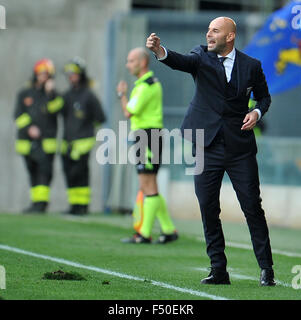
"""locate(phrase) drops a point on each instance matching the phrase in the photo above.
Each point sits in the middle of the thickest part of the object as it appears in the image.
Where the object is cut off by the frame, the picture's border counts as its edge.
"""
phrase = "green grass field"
(31, 245)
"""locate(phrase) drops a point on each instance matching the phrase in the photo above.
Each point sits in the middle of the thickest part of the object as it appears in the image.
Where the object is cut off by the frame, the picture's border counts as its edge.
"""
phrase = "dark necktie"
(221, 60)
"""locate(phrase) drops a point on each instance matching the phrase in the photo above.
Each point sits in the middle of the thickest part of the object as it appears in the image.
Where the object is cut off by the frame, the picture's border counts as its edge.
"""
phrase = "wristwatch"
(120, 94)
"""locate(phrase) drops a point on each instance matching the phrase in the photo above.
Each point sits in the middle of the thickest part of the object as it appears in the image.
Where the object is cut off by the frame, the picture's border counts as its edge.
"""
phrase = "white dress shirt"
(229, 63)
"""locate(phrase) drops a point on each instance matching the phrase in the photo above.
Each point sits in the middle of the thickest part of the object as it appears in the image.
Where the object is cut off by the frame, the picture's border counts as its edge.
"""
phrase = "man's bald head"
(227, 22)
(140, 53)
(138, 61)
(221, 35)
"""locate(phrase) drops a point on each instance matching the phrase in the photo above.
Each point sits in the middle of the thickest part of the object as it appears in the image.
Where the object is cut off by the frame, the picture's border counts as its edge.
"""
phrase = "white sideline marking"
(243, 277)
(249, 247)
(112, 273)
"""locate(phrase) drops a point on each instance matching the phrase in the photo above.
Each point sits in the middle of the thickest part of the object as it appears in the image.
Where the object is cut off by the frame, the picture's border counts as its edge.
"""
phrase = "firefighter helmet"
(44, 65)
(76, 65)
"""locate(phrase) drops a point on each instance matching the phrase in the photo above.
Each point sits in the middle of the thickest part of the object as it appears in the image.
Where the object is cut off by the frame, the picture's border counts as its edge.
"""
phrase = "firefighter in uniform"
(36, 113)
(81, 112)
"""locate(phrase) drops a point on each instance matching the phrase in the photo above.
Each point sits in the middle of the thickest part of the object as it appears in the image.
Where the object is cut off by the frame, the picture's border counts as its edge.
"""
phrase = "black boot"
(37, 207)
(81, 210)
(77, 210)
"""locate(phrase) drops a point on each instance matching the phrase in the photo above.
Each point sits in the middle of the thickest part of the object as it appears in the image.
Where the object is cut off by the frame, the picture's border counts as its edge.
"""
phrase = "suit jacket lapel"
(218, 67)
(242, 68)
(238, 63)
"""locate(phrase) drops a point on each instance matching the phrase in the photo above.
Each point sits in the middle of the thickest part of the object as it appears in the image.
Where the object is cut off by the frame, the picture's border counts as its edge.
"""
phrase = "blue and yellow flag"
(278, 46)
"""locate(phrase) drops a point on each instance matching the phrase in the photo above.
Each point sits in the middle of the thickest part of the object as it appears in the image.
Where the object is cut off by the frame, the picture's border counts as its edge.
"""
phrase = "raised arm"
(182, 62)
(153, 44)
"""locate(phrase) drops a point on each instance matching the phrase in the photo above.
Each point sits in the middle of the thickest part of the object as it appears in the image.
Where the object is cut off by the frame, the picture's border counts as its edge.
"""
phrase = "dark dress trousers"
(219, 108)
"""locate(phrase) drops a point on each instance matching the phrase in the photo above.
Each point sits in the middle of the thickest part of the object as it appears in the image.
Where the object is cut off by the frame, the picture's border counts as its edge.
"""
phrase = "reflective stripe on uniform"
(79, 195)
(64, 147)
(23, 147)
(40, 193)
(49, 145)
(23, 120)
(81, 146)
(55, 105)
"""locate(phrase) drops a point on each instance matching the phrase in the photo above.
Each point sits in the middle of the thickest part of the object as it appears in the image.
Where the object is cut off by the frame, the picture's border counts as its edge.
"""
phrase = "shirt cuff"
(259, 113)
(165, 55)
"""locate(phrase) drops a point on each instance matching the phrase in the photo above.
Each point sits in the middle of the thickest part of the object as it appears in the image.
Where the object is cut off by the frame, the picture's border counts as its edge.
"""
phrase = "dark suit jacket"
(210, 109)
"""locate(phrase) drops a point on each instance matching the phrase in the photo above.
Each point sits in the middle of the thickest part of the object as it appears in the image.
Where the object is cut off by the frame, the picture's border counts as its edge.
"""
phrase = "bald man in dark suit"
(224, 79)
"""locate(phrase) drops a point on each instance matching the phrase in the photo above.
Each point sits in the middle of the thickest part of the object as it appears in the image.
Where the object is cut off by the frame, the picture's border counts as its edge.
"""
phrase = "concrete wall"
(58, 29)
(281, 204)
(61, 29)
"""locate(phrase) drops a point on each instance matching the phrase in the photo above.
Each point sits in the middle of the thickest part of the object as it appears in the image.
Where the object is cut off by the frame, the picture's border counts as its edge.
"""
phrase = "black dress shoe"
(217, 277)
(267, 278)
